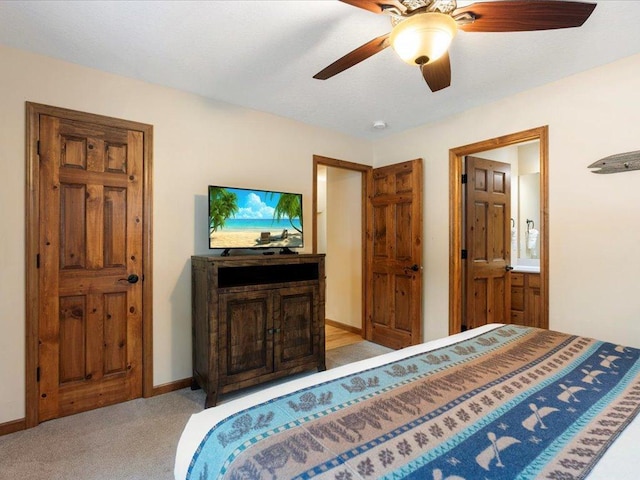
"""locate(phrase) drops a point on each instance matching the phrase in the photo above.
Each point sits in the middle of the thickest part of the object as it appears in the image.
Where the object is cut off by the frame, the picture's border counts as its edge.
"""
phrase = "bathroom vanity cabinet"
(526, 299)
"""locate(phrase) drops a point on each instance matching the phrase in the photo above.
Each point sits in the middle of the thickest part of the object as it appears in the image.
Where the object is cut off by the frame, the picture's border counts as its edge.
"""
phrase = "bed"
(496, 402)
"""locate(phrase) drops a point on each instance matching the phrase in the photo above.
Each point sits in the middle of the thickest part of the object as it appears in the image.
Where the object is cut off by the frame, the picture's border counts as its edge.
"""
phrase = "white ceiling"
(263, 55)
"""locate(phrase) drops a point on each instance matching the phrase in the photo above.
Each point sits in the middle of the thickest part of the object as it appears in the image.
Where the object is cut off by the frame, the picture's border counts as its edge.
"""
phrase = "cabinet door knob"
(508, 268)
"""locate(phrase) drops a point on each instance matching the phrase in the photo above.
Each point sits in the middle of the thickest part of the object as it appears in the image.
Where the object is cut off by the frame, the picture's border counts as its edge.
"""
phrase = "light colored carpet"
(129, 441)
(132, 440)
(353, 353)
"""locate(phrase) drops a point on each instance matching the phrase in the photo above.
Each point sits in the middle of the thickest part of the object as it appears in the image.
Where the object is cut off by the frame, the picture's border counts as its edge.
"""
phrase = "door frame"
(367, 179)
(32, 232)
(456, 158)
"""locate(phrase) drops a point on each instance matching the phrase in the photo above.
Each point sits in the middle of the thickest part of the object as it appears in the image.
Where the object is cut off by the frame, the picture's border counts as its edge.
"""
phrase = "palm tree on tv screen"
(290, 206)
(222, 205)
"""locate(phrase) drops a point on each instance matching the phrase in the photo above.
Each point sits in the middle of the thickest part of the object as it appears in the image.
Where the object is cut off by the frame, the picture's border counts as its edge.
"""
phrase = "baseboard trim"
(13, 426)
(21, 424)
(172, 386)
(344, 326)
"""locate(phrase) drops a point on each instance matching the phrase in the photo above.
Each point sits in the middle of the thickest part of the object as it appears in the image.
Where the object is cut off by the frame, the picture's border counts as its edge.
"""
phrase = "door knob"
(415, 267)
(133, 278)
(508, 268)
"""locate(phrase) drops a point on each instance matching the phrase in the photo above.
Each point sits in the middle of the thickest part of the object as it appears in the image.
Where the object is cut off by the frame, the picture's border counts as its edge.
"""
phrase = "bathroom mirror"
(525, 205)
(528, 214)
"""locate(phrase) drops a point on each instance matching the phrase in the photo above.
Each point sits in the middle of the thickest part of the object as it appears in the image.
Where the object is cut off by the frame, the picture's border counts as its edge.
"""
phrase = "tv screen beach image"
(242, 218)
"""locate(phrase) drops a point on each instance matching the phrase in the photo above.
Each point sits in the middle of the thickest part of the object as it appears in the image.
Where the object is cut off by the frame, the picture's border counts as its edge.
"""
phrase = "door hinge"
(37, 260)
(463, 178)
(38, 374)
(463, 254)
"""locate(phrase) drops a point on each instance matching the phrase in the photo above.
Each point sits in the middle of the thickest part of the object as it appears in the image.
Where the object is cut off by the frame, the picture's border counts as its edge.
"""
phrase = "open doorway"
(516, 284)
(339, 223)
(391, 247)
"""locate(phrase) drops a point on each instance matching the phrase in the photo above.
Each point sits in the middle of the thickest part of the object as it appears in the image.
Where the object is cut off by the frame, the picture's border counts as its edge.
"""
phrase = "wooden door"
(488, 242)
(90, 268)
(395, 248)
(246, 335)
(296, 323)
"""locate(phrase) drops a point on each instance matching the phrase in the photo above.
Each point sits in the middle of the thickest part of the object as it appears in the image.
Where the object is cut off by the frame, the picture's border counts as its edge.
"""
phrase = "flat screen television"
(246, 218)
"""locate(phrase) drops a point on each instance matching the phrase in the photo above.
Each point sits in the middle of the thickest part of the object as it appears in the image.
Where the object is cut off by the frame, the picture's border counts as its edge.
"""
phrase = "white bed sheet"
(620, 462)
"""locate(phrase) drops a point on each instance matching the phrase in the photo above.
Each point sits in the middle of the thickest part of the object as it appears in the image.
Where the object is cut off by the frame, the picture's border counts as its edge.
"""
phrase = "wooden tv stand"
(255, 318)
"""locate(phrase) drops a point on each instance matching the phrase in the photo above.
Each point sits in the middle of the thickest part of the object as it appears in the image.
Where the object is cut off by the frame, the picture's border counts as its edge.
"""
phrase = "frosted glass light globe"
(424, 37)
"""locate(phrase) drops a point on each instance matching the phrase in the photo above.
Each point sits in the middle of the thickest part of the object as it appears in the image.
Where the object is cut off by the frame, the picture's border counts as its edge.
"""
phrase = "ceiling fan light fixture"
(424, 37)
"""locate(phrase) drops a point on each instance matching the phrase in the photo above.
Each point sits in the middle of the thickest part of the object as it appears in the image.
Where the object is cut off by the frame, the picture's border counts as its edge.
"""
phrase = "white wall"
(594, 223)
(196, 142)
(344, 247)
(529, 158)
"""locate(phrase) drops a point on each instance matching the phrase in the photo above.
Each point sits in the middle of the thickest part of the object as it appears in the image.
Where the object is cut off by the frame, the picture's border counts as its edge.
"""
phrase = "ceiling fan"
(423, 29)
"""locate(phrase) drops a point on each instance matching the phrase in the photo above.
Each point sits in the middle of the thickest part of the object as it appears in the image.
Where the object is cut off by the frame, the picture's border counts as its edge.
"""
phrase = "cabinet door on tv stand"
(295, 312)
(246, 338)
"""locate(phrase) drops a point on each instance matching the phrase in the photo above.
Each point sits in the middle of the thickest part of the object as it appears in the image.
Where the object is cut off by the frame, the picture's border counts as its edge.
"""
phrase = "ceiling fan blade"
(377, 6)
(353, 58)
(438, 74)
(522, 16)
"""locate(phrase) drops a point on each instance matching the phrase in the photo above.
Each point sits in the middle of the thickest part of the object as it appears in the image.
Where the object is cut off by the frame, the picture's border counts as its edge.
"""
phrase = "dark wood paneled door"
(488, 242)
(90, 265)
(395, 246)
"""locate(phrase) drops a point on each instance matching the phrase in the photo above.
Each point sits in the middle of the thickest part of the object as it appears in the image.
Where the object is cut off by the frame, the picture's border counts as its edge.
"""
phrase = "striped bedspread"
(513, 402)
